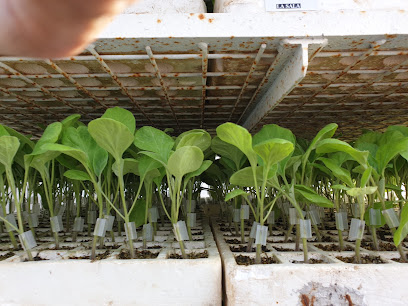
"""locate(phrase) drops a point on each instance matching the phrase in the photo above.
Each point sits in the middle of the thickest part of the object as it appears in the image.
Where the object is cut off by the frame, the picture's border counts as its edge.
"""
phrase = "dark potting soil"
(36, 258)
(399, 259)
(197, 233)
(190, 255)
(61, 248)
(233, 241)
(312, 261)
(154, 247)
(142, 254)
(278, 235)
(109, 247)
(7, 255)
(290, 240)
(97, 257)
(327, 239)
(282, 249)
(225, 229)
(243, 260)
(243, 249)
(366, 259)
(333, 247)
(383, 246)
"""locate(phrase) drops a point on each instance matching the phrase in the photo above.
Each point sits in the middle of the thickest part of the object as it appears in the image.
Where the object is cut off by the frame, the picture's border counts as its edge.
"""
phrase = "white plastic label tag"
(293, 219)
(375, 217)
(305, 228)
(62, 209)
(237, 215)
(130, 229)
(193, 205)
(314, 216)
(25, 217)
(11, 219)
(285, 5)
(271, 218)
(192, 219)
(33, 219)
(244, 212)
(56, 224)
(252, 234)
(341, 221)
(109, 222)
(261, 234)
(100, 227)
(147, 232)
(355, 210)
(27, 240)
(79, 224)
(91, 217)
(391, 217)
(356, 229)
(153, 214)
(180, 231)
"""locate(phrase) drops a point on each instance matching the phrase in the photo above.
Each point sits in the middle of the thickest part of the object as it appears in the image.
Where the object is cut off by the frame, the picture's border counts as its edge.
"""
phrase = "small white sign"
(291, 5)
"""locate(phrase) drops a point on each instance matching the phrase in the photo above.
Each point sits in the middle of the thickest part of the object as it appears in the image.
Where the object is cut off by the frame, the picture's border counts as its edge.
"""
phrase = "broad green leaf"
(137, 214)
(111, 135)
(400, 128)
(147, 164)
(70, 121)
(77, 175)
(235, 193)
(274, 150)
(3, 131)
(271, 131)
(335, 145)
(123, 116)
(151, 139)
(229, 151)
(156, 157)
(204, 166)
(9, 146)
(239, 137)
(392, 144)
(50, 135)
(198, 138)
(185, 160)
(80, 139)
(339, 172)
(23, 139)
(326, 132)
(74, 153)
(355, 192)
(245, 177)
(130, 165)
(309, 195)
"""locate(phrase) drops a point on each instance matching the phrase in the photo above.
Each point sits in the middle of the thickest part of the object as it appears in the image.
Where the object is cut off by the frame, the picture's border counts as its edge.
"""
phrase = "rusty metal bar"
(43, 89)
(116, 80)
(73, 81)
(159, 77)
(132, 57)
(249, 77)
(204, 52)
(142, 75)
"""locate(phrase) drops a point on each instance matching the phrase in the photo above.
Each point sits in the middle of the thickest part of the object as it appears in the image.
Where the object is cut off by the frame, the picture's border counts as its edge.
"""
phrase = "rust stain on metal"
(159, 21)
(305, 300)
(201, 16)
(210, 20)
(348, 298)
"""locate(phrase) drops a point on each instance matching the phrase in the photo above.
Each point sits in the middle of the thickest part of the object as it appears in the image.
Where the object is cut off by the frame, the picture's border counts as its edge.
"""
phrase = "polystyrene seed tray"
(330, 282)
(113, 281)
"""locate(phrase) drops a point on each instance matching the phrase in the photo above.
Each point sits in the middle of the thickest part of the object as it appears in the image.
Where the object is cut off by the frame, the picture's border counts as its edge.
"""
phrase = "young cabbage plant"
(184, 160)
(384, 150)
(9, 145)
(269, 151)
(359, 189)
(114, 132)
